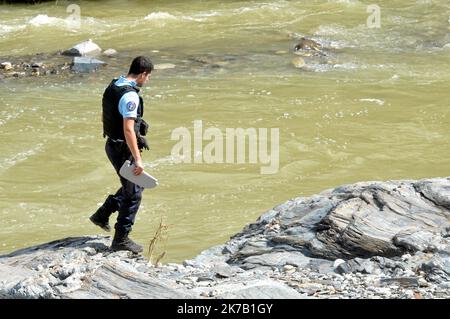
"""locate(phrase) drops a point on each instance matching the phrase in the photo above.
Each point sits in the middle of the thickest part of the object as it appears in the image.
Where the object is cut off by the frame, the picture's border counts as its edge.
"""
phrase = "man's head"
(140, 70)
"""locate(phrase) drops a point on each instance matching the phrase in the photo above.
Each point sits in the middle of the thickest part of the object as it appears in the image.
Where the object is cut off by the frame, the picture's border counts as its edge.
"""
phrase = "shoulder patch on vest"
(131, 106)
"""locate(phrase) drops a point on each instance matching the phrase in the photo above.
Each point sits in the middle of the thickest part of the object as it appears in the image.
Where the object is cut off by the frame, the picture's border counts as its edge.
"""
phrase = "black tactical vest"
(112, 119)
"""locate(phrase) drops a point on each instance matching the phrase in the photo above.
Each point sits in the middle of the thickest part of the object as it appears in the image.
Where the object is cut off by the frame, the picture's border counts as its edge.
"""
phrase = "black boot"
(101, 219)
(101, 216)
(121, 241)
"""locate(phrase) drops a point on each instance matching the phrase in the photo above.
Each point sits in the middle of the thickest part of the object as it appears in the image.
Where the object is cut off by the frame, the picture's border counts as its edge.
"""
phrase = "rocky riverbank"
(81, 58)
(365, 240)
(88, 57)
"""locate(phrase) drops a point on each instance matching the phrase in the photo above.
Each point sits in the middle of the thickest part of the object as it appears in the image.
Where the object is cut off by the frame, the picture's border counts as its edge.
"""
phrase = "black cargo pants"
(128, 197)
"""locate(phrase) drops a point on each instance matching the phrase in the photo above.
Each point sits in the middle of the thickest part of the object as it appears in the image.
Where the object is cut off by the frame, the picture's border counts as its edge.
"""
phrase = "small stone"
(184, 281)
(37, 65)
(298, 62)
(219, 64)
(109, 52)
(403, 281)
(310, 292)
(143, 268)
(18, 74)
(445, 286)
(289, 268)
(191, 264)
(89, 250)
(423, 283)
(164, 66)
(223, 271)
(406, 257)
(409, 273)
(6, 66)
(408, 294)
(383, 291)
(205, 278)
(337, 262)
(203, 284)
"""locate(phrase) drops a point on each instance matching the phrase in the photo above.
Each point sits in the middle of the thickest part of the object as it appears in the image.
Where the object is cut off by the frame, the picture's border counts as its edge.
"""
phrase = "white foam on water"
(9, 116)
(86, 23)
(346, 66)
(208, 14)
(66, 23)
(377, 101)
(345, 1)
(43, 19)
(20, 157)
(330, 29)
(325, 67)
(275, 6)
(160, 16)
(166, 16)
(243, 10)
(5, 29)
(204, 16)
(168, 160)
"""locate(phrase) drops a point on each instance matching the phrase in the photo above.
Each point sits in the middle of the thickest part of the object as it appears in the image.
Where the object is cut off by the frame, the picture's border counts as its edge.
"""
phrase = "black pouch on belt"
(141, 127)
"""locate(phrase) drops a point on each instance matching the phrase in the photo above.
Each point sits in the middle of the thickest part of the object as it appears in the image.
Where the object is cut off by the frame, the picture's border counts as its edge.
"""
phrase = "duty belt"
(116, 141)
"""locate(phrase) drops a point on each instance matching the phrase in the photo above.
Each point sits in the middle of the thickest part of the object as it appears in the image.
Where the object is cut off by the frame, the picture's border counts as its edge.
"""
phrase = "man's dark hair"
(140, 65)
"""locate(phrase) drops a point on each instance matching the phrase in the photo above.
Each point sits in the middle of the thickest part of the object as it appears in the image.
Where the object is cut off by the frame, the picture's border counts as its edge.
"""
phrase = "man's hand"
(139, 167)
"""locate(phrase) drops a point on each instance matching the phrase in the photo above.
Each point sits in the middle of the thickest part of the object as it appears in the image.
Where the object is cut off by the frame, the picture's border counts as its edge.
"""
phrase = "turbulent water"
(379, 110)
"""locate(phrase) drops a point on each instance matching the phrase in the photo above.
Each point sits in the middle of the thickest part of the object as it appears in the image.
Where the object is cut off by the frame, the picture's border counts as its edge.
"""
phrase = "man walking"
(124, 127)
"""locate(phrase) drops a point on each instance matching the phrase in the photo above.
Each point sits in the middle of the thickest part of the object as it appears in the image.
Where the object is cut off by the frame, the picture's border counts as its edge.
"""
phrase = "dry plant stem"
(161, 230)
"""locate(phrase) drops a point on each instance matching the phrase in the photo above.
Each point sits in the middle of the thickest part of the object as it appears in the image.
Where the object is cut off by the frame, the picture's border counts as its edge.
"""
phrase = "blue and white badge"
(131, 106)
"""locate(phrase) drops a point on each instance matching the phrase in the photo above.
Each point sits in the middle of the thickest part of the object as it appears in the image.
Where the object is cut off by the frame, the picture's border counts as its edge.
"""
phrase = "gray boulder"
(86, 48)
(80, 267)
(85, 64)
(360, 220)
(267, 289)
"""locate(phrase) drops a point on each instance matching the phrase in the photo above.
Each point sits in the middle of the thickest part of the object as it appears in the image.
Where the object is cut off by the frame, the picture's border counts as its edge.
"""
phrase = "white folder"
(144, 179)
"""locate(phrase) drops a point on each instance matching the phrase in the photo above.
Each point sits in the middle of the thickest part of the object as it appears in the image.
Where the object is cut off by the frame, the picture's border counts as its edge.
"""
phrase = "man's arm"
(130, 137)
